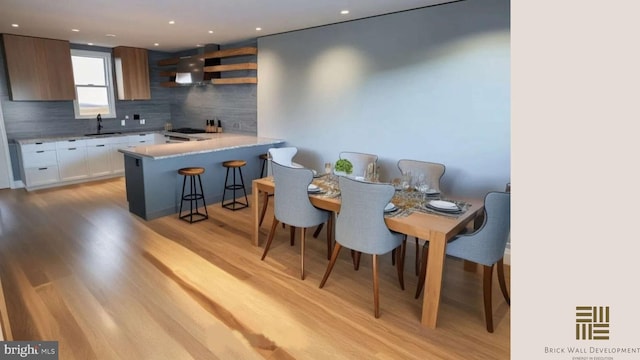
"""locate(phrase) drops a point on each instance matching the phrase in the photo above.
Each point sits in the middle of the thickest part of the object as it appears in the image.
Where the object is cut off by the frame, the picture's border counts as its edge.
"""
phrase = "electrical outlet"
(122, 122)
(143, 121)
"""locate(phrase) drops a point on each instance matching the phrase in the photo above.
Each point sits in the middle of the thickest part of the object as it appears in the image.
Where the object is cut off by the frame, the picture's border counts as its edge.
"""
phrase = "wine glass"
(406, 181)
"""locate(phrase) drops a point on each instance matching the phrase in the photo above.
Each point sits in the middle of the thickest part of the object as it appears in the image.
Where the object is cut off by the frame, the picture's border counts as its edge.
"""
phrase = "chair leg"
(417, 257)
(502, 282)
(376, 299)
(302, 235)
(356, 259)
(184, 181)
(317, 232)
(400, 266)
(334, 256)
(265, 203)
(486, 289)
(423, 270)
(203, 202)
(270, 239)
(244, 190)
(292, 235)
(393, 257)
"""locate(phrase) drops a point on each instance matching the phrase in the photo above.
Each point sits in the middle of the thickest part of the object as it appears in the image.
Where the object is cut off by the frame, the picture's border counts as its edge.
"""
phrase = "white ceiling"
(141, 23)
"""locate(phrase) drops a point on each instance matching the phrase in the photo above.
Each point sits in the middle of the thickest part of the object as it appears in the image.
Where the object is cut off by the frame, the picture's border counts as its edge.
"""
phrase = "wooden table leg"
(255, 200)
(433, 283)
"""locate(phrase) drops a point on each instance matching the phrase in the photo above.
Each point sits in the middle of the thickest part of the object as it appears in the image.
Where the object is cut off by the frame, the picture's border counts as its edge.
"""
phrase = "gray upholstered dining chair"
(283, 156)
(293, 207)
(360, 227)
(433, 173)
(484, 246)
(360, 161)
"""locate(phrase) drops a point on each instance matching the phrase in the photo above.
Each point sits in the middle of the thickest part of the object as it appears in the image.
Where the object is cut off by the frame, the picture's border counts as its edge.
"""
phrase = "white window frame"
(108, 73)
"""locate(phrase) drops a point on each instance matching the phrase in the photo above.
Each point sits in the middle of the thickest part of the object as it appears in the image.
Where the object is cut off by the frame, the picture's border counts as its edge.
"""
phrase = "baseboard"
(5, 329)
(17, 184)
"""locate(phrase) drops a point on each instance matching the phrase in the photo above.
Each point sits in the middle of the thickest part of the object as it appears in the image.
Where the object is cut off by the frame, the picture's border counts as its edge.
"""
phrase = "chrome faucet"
(99, 118)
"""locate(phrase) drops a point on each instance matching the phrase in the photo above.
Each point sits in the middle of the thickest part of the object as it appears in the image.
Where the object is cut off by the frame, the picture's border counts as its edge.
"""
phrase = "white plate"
(444, 205)
(432, 192)
(313, 188)
(390, 207)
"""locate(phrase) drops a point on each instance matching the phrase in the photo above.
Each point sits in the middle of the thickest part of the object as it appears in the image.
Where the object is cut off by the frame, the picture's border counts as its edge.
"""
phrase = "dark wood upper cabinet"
(132, 73)
(38, 68)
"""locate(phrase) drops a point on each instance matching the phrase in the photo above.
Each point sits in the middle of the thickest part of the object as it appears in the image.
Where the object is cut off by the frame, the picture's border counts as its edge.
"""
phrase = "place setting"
(315, 189)
(445, 207)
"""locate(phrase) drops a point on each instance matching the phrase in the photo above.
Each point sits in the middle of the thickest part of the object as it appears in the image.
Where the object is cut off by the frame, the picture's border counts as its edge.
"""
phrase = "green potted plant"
(343, 167)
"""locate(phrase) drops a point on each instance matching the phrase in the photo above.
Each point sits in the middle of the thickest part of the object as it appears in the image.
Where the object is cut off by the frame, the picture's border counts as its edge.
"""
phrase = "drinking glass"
(327, 168)
(406, 181)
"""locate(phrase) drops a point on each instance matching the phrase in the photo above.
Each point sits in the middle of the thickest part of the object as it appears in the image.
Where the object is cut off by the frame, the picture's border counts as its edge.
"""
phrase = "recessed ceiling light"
(198, 45)
(172, 22)
(156, 44)
(110, 35)
(258, 28)
(90, 44)
(75, 30)
(15, 25)
(210, 31)
(344, 12)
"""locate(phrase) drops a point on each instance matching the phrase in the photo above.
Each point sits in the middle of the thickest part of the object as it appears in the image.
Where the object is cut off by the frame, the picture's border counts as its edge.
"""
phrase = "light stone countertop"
(79, 137)
(208, 143)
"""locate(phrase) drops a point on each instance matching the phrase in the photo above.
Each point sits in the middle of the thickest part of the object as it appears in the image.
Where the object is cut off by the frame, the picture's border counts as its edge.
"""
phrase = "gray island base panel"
(154, 187)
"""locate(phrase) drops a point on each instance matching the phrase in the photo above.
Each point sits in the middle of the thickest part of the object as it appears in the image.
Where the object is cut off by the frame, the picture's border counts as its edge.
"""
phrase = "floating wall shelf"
(213, 68)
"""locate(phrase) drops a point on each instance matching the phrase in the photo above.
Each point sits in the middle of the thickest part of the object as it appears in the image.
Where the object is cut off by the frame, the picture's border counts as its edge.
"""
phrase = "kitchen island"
(154, 187)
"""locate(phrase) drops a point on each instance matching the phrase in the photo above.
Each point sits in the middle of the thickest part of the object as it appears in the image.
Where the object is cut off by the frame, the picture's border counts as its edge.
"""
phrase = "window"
(94, 84)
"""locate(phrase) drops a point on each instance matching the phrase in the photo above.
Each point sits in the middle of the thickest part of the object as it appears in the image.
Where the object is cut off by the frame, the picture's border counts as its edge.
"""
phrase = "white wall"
(430, 84)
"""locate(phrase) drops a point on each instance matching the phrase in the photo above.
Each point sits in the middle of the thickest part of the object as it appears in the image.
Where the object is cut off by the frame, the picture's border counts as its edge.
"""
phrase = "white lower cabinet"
(117, 158)
(42, 175)
(39, 163)
(51, 163)
(142, 139)
(99, 156)
(72, 159)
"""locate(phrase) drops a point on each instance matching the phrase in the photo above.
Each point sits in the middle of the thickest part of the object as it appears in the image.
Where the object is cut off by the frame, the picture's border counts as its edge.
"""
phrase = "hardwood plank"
(164, 289)
(73, 343)
(5, 329)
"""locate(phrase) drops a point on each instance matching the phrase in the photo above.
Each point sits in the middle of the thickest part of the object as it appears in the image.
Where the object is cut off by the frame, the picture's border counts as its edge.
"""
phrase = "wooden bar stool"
(234, 204)
(193, 196)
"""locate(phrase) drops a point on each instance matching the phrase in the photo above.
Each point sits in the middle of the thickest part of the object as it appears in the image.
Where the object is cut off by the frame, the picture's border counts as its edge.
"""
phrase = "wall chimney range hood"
(190, 70)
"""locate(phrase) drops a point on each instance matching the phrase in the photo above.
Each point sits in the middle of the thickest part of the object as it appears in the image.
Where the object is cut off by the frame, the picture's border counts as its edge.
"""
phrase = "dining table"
(411, 219)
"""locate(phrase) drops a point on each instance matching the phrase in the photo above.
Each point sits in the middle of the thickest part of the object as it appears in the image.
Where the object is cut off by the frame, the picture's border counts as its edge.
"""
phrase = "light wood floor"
(78, 268)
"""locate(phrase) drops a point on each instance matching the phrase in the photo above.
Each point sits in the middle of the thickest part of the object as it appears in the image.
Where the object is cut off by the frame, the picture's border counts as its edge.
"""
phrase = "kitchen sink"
(103, 133)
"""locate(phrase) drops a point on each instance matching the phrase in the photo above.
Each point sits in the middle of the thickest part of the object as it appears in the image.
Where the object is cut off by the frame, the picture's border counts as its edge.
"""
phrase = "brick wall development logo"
(592, 323)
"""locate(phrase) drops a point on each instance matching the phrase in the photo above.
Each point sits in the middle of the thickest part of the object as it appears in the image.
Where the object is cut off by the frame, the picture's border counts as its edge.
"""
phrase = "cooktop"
(189, 131)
